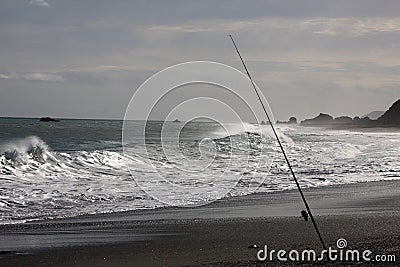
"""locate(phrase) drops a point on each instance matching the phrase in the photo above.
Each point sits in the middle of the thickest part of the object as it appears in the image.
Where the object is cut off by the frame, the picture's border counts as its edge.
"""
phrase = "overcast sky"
(85, 59)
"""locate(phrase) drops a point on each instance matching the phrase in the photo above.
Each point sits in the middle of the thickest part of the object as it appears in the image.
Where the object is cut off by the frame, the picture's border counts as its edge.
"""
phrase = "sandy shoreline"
(365, 214)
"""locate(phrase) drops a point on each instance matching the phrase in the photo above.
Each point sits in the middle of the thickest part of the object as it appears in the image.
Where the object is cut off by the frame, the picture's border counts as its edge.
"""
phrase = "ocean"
(74, 167)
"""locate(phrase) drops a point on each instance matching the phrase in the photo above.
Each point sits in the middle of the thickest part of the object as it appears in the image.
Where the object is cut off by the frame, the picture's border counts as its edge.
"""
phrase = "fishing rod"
(282, 149)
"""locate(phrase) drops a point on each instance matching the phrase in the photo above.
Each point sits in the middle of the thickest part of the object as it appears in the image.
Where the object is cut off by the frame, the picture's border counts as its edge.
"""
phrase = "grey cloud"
(350, 26)
(39, 2)
(35, 76)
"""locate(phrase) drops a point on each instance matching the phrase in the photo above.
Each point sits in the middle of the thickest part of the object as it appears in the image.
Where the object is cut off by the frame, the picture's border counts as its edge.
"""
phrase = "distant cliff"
(391, 116)
(374, 115)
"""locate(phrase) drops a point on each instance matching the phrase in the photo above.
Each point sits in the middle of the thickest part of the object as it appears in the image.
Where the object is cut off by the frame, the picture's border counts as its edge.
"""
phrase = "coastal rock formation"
(391, 116)
(321, 119)
(343, 120)
(362, 121)
(292, 120)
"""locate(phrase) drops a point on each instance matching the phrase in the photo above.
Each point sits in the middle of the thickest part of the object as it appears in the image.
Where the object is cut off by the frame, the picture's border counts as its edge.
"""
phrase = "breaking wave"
(39, 182)
(23, 150)
(232, 129)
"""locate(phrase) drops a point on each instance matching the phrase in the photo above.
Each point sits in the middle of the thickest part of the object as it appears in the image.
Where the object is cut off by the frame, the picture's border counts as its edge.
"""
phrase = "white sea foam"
(38, 182)
(231, 129)
(22, 150)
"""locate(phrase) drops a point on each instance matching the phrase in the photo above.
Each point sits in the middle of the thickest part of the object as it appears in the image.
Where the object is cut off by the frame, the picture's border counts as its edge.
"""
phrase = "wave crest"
(25, 149)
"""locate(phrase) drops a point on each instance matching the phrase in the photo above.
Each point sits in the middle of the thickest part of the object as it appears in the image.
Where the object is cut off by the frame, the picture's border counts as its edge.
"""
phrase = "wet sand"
(367, 215)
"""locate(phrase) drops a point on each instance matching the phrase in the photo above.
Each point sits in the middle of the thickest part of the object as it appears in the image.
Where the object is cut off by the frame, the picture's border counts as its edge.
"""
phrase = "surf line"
(281, 147)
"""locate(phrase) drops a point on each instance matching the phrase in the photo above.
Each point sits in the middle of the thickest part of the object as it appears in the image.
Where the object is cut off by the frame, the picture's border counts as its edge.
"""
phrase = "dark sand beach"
(365, 214)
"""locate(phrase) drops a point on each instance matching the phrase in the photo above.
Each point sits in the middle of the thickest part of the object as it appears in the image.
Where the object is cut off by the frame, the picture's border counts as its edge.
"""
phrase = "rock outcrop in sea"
(292, 120)
(47, 119)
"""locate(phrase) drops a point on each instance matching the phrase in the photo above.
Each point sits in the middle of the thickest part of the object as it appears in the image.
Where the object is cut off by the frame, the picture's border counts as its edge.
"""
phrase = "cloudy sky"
(86, 58)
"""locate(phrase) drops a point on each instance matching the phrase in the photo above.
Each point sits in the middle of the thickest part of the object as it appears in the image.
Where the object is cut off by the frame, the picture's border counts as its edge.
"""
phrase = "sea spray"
(21, 150)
